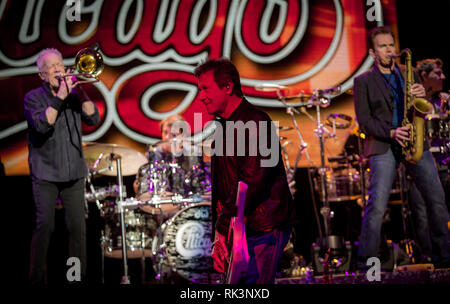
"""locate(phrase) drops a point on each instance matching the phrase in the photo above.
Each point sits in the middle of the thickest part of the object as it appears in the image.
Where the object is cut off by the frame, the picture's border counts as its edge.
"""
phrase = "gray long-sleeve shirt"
(55, 151)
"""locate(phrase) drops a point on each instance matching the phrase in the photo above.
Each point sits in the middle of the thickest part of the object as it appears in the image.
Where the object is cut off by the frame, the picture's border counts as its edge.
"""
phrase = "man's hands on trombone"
(66, 85)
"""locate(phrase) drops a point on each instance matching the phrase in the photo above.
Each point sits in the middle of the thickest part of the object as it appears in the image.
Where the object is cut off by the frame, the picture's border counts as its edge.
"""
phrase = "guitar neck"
(239, 252)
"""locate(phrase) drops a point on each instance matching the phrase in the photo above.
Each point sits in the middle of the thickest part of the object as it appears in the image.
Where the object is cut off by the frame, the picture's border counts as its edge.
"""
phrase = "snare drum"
(183, 244)
(341, 186)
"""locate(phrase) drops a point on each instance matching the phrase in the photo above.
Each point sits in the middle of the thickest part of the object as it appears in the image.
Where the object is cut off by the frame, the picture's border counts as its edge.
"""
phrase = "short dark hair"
(224, 72)
(375, 32)
(427, 65)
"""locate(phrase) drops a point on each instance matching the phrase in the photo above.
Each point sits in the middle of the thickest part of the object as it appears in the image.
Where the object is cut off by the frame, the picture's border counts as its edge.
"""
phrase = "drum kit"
(437, 127)
(168, 220)
(338, 184)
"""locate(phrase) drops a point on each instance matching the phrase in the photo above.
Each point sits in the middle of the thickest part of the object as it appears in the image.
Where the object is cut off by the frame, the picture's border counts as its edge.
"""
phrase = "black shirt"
(268, 203)
(55, 151)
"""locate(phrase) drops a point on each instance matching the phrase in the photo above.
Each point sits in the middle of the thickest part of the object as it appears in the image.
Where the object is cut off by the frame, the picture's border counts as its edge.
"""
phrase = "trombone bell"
(88, 65)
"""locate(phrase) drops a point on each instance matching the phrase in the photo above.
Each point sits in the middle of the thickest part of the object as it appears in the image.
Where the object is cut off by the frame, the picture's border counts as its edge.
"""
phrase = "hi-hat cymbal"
(131, 160)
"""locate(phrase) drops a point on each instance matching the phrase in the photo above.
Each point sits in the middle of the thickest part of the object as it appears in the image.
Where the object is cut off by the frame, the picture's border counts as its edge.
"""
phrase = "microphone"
(269, 87)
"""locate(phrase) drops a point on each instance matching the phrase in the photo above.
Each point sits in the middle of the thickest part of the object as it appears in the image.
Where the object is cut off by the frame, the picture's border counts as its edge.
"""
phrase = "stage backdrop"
(151, 48)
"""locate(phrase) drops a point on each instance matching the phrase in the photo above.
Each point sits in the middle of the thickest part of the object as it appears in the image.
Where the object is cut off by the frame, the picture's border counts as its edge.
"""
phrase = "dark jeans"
(45, 196)
(421, 216)
(425, 176)
(265, 252)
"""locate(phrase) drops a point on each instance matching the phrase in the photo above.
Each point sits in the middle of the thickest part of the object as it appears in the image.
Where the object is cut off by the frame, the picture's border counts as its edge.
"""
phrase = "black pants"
(45, 195)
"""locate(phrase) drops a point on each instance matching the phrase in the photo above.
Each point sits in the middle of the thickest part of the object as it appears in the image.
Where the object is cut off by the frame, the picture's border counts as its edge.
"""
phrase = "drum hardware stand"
(159, 256)
(125, 277)
(320, 100)
(406, 213)
(327, 274)
(143, 280)
(333, 245)
(103, 247)
(91, 172)
(362, 171)
(178, 177)
(291, 111)
(302, 148)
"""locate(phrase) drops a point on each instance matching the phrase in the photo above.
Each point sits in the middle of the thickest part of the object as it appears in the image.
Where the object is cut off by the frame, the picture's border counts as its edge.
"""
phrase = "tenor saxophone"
(415, 110)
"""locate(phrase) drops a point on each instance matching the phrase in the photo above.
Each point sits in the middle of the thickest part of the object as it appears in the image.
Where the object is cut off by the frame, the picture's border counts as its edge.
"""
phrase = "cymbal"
(131, 160)
(165, 142)
(285, 128)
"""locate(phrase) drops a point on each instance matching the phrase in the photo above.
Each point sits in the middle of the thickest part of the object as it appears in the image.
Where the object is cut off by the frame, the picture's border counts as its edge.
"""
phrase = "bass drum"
(182, 247)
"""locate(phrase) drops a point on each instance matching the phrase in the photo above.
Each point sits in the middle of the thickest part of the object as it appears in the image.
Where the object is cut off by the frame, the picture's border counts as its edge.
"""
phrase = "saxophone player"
(379, 107)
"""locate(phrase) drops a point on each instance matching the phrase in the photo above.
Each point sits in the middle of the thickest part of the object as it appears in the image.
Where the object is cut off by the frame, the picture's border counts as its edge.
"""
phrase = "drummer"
(432, 76)
(173, 146)
(172, 149)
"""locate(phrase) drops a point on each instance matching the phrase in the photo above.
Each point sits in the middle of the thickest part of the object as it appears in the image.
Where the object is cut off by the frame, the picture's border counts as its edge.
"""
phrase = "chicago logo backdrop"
(151, 48)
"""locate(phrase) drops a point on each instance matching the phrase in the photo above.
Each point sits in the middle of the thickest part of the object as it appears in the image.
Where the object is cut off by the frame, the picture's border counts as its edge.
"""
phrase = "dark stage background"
(423, 27)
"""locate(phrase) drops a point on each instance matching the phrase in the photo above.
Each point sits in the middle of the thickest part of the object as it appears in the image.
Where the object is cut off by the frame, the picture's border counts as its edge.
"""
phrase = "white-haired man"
(54, 113)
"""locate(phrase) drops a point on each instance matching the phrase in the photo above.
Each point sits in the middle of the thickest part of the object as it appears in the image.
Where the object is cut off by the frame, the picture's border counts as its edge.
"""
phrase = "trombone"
(88, 65)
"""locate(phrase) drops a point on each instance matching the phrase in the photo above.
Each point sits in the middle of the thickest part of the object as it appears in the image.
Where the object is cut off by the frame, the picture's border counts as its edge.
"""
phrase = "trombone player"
(54, 113)
(379, 107)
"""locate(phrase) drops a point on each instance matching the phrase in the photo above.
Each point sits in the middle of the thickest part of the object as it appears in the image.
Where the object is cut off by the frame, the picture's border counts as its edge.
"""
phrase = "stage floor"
(437, 276)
